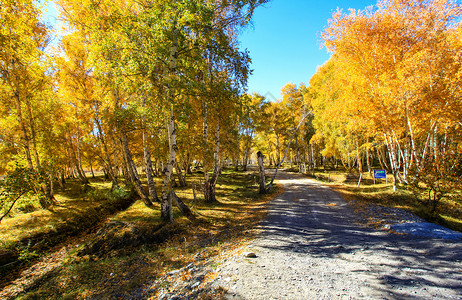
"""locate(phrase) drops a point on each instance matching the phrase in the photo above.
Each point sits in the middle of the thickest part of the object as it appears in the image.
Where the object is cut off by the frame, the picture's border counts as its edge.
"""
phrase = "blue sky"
(284, 41)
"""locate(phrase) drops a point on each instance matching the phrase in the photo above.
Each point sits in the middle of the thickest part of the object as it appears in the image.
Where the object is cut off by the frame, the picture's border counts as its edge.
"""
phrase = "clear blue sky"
(284, 41)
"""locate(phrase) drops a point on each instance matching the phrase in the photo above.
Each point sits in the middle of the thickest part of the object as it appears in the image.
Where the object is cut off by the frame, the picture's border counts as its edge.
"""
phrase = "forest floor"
(307, 242)
(131, 250)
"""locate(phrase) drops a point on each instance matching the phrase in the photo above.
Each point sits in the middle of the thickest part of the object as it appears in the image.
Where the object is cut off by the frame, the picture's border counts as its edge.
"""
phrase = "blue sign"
(380, 174)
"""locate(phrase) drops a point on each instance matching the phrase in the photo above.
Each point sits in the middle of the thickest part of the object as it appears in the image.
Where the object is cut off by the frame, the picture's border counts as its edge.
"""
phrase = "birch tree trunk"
(379, 156)
(368, 161)
(25, 135)
(393, 163)
(358, 155)
(413, 146)
(407, 158)
(166, 209)
(360, 164)
(81, 176)
(384, 157)
(299, 161)
(90, 160)
(246, 160)
(118, 156)
(47, 185)
(33, 133)
(236, 164)
(107, 158)
(167, 187)
(149, 170)
(400, 154)
(79, 162)
(60, 179)
(260, 157)
(125, 166)
(148, 161)
(181, 178)
(205, 188)
(313, 158)
(135, 178)
(185, 210)
(69, 169)
(435, 144)
(278, 154)
(210, 186)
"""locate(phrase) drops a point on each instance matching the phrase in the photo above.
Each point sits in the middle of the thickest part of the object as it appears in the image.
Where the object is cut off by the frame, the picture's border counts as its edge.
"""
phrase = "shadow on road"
(310, 218)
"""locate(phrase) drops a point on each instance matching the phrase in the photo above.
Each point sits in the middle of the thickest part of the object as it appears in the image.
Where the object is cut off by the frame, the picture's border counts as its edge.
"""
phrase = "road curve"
(312, 246)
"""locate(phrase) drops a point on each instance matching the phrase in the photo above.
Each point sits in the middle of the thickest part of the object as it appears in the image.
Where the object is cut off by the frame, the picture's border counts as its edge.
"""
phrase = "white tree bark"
(167, 188)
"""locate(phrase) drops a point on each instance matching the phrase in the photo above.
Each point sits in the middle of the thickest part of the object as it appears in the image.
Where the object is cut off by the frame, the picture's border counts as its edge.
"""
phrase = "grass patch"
(129, 272)
(26, 236)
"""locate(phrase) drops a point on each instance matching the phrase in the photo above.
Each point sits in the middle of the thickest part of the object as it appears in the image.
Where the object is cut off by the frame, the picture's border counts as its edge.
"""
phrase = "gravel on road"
(314, 246)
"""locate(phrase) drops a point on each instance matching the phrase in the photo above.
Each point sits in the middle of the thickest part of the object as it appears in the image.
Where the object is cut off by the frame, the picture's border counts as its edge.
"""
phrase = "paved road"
(313, 247)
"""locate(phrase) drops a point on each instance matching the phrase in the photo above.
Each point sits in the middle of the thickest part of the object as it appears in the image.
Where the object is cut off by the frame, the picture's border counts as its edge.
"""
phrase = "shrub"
(98, 195)
(119, 194)
(25, 254)
(27, 205)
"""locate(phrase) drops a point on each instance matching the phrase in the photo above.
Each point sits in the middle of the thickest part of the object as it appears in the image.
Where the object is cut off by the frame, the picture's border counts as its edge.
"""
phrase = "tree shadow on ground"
(318, 222)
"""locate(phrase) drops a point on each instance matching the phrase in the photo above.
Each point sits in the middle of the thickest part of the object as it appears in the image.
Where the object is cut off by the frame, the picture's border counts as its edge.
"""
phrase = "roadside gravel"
(313, 246)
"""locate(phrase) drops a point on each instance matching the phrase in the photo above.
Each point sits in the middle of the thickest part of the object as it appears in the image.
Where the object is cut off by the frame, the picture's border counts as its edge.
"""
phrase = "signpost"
(380, 174)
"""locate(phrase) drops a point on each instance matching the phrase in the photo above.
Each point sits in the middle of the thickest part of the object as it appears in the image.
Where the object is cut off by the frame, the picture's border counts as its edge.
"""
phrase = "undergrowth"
(122, 272)
(26, 236)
